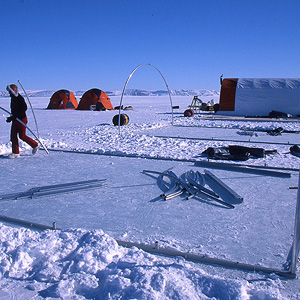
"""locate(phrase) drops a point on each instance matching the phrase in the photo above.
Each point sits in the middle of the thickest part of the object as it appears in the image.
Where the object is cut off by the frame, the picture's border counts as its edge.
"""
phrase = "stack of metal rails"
(192, 184)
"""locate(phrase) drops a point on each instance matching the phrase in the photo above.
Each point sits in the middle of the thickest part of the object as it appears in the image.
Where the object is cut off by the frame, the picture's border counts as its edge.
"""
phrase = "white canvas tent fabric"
(259, 96)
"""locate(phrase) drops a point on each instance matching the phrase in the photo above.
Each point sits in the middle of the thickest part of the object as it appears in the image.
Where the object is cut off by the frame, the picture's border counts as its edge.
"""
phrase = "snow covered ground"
(83, 259)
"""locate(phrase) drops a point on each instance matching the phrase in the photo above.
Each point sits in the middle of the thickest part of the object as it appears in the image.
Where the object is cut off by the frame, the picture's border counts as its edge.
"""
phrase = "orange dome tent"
(95, 97)
(63, 99)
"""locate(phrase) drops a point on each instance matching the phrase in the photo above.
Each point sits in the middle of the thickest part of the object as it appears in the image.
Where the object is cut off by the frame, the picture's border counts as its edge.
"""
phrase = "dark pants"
(18, 128)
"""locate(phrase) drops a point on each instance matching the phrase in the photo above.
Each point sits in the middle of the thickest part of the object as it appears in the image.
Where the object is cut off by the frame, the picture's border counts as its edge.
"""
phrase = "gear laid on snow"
(295, 150)
(124, 119)
(279, 114)
(235, 152)
(189, 113)
(190, 183)
(276, 131)
(49, 190)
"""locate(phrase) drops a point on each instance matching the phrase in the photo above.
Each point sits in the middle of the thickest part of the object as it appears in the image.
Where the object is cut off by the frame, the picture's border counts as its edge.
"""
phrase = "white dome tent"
(259, 96)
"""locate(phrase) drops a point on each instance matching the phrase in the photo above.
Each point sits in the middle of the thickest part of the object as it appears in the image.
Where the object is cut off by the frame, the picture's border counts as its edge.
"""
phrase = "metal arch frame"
(36, 125)
(130, 75)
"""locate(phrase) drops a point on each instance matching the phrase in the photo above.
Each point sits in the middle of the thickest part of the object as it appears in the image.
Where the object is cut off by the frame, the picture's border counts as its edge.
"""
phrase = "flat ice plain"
(83, 260)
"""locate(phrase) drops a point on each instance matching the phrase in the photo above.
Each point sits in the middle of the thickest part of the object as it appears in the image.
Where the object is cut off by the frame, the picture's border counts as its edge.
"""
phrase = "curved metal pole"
(37, 129)
(130, 75)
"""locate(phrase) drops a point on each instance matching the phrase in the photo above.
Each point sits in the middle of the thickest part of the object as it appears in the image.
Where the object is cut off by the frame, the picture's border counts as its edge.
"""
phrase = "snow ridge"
(129, 92)
(82, 264)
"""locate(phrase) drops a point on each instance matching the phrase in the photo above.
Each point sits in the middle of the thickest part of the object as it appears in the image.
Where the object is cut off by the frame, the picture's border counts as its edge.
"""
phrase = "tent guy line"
(35, 121)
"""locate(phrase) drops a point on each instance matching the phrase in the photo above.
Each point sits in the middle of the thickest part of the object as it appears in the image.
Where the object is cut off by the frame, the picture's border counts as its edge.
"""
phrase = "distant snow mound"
(3, 94)
(38, 93)
(43, 93)
(129, 92)
(138, 92)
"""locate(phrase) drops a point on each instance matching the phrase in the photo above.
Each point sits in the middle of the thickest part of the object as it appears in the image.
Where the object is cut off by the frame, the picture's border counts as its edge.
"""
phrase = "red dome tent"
(63, 99)
(94, 97)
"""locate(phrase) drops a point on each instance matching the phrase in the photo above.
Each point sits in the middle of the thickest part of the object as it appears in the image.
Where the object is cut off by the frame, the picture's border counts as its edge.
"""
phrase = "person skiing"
(18, 110)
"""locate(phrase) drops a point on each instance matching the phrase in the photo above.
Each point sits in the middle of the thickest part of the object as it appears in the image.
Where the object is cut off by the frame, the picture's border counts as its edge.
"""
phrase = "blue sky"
(81, 44)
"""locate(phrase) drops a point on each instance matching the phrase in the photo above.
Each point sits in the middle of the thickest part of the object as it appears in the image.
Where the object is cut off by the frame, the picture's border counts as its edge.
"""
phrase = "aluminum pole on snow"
(165, 251)
(28, 129)
(205, 259)
(36, 125)
(28, 224)
(130, 75)
(55, 189)
(224, 186)
(296, 238)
